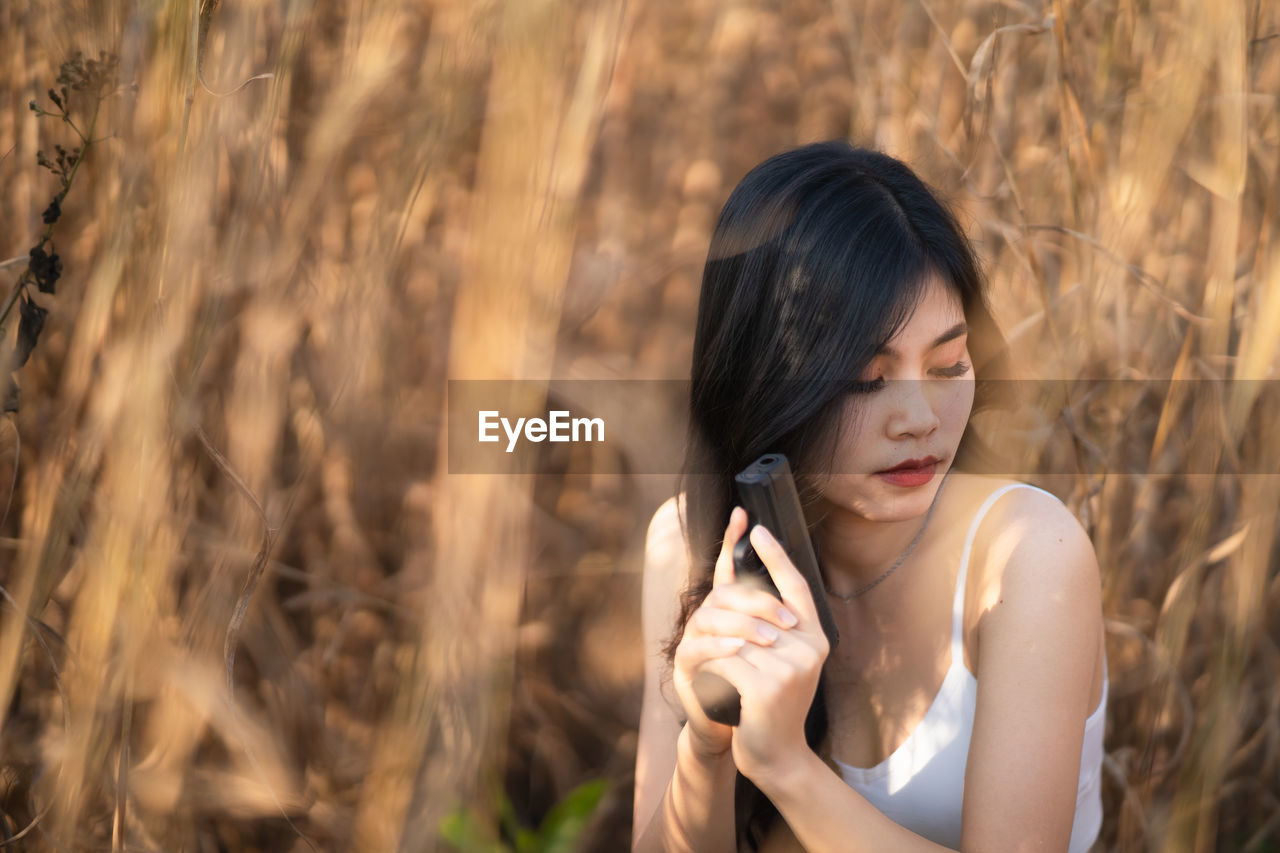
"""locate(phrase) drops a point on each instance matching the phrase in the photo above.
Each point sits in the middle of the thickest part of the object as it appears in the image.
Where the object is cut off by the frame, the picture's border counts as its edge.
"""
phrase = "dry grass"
(237, 398)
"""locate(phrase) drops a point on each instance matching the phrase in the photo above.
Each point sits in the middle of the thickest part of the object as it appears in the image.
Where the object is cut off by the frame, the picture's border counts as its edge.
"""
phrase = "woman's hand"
(776, 680)
(733, 618)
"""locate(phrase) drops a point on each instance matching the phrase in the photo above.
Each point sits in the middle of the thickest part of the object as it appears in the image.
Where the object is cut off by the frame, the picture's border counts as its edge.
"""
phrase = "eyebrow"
(950, 334)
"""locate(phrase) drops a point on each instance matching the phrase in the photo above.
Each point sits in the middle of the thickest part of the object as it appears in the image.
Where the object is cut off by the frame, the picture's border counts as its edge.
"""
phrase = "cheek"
(844, 453)
(857, 424)
(954, 405)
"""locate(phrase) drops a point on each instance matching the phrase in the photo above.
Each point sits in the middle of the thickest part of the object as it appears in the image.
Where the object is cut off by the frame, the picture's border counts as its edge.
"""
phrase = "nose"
(912, 413)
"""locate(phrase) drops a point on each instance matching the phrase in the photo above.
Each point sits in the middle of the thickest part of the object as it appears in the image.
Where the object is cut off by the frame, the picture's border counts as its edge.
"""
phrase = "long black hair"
(819, 257)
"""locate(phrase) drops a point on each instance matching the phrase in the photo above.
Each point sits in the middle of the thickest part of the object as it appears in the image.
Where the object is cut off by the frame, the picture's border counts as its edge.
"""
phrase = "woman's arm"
(827, 816)
(1038, 644)
(683, 801)
(696, 812)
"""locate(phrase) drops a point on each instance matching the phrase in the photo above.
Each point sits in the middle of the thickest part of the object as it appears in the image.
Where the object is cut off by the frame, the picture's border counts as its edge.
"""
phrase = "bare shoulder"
(665, 531)
(1031, 530)
(1030, 546)
(666, 574)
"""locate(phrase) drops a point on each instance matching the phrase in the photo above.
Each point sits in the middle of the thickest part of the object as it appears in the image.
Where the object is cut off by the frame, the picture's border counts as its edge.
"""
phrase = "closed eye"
(860, 386)
(960, 368)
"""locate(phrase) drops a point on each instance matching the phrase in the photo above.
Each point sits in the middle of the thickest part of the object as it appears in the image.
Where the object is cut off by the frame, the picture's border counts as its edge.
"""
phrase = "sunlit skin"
(924, 377)
(1031, 633)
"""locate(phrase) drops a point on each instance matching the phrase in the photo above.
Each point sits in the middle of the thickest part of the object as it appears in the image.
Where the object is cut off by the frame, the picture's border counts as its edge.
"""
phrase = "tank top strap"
(957, 605)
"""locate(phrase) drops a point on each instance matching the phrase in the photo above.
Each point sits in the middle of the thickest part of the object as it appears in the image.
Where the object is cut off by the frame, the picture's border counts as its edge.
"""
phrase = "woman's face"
(918, 393)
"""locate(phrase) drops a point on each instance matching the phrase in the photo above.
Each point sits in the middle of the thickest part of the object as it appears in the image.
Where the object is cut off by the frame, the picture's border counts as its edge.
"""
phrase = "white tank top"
(921, 784)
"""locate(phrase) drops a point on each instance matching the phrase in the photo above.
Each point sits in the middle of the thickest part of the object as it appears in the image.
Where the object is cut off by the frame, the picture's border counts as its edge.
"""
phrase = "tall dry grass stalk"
(542, 115)
(247, 608)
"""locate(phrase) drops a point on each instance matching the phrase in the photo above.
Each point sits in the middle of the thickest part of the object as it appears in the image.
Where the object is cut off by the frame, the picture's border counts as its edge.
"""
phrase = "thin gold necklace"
(901, 557)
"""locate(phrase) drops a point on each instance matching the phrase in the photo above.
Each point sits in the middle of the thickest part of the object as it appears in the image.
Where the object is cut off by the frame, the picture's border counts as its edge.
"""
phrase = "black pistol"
(768, 493)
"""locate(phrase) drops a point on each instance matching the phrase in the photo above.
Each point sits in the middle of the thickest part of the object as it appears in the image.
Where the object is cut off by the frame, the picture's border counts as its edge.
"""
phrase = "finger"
(736, 670)
(693, 652)
(750, 600)
(724, 563)
(793, 654)
(786, 577)
(759, 672)
(719, 622)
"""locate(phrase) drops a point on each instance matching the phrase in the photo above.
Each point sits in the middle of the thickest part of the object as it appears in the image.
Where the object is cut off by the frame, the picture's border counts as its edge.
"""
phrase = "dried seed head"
(29, 327)
(53, 211)
(46, 268)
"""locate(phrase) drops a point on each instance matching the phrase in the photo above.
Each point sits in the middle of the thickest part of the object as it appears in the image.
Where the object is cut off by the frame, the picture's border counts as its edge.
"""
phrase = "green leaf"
(507, 815)
(461, 829)
(563, 826)
(527, 841)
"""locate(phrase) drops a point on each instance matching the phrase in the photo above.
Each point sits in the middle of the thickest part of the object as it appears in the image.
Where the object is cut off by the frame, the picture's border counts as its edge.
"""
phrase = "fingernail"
(763, 532)
(768, 632)
(731, 642)
(787, 617)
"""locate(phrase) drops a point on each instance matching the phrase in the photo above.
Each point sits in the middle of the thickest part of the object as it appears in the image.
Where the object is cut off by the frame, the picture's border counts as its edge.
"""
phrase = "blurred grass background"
(238, 395)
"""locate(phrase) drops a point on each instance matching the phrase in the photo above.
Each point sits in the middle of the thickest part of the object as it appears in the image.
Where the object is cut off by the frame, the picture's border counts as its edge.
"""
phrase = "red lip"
(912, 463)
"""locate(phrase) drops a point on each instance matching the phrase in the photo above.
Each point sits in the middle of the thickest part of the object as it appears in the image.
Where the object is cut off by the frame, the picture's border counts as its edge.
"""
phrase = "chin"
(868, 496)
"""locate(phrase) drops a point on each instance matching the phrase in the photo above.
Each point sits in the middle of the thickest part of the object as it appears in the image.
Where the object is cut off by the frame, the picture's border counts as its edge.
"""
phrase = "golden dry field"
(247, 608)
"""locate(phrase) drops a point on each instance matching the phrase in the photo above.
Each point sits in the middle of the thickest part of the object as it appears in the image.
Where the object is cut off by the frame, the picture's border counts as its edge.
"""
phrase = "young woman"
(842, 322)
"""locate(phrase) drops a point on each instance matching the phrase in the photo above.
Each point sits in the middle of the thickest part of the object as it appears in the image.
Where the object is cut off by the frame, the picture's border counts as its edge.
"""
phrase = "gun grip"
(719, 699)
(749, 568)
(745, 560)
